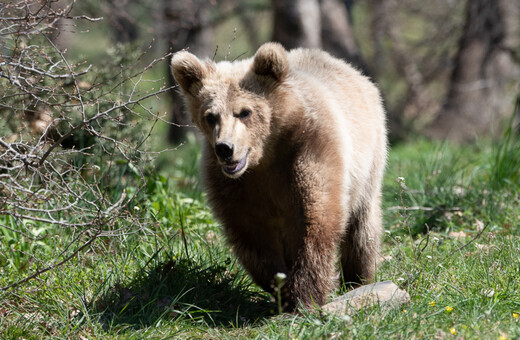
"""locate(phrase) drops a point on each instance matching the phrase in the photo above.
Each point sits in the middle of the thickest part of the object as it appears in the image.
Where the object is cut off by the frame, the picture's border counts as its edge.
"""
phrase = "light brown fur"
(302, 144)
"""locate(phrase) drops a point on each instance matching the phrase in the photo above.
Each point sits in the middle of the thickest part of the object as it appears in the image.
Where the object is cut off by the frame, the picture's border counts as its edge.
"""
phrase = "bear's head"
(230, 103)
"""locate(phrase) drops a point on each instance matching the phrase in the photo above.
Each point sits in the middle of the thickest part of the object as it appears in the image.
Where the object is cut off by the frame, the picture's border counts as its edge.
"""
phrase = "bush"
(72, 140)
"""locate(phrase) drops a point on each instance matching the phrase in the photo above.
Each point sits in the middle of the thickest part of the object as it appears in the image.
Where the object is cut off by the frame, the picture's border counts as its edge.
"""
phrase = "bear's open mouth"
(232, 168)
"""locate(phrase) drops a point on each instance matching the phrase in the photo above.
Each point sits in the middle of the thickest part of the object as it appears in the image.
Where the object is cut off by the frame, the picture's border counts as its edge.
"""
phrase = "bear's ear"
(270, 62)
(188, 71)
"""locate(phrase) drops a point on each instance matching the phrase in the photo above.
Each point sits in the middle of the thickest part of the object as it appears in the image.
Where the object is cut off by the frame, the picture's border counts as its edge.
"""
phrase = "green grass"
(452, 241)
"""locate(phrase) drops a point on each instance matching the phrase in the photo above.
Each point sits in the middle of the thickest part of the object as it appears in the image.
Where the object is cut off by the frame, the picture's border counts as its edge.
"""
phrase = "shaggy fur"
(293, 160)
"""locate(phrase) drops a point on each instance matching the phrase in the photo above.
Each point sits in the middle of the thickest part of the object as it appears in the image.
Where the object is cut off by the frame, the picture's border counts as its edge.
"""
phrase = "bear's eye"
(211, 119)
(244, 113)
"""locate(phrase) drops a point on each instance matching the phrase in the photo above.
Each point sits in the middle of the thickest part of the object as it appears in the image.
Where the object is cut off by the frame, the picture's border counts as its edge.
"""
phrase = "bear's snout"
(224, 151)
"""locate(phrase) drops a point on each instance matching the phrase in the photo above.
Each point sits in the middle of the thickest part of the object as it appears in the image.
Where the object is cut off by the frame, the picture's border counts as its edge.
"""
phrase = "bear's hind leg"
(360, 245)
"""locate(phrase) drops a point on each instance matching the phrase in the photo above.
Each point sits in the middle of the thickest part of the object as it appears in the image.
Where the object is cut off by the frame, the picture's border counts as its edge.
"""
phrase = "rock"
(385, 294)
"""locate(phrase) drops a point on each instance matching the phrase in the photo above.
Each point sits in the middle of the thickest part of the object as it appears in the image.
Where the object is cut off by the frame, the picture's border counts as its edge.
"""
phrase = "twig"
(426, 244)
(474, 238)
(419, 208)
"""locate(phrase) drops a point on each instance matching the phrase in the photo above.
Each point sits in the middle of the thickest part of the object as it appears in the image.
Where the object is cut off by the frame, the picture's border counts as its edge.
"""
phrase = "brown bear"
(293, 159)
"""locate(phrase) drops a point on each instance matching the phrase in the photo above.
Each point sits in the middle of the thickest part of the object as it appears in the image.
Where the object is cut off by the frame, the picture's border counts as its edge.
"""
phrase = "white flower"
(280, 277)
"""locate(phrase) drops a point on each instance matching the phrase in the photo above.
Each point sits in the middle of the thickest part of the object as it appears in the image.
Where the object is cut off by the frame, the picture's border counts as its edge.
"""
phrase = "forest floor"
(452, 241)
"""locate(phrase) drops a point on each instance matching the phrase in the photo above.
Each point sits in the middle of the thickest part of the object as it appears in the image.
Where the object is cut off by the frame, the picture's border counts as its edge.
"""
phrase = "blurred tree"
(185, 25)
(337, 35)
(317, 24)
(297, 23)
(123, 24)
(392, 50)
(485, 63)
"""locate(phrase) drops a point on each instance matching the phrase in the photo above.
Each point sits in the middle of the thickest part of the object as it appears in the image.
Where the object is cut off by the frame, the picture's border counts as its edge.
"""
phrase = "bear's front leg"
(312, 274)
(261, 256)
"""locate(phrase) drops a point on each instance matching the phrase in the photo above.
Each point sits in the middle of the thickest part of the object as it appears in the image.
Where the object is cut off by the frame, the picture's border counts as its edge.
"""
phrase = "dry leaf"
(457, 234)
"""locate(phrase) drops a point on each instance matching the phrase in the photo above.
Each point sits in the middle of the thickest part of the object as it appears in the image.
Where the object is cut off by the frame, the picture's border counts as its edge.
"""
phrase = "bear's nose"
(224, 151)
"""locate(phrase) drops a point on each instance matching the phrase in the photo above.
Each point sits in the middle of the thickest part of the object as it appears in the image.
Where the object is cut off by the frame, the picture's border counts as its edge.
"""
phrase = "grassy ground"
(452, 240)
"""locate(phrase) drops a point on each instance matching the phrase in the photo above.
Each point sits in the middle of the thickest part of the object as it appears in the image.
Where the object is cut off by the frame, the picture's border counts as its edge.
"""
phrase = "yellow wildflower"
(516, 315)
(449, 309)
(503, 337)
(432, 303)
(453, 331)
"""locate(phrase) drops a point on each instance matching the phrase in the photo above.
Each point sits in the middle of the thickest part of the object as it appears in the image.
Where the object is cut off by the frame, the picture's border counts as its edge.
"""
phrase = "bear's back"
(320, 64)
(317, 73)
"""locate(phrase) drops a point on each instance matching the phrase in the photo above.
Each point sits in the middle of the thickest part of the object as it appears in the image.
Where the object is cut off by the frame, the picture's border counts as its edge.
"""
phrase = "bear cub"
(293, 158)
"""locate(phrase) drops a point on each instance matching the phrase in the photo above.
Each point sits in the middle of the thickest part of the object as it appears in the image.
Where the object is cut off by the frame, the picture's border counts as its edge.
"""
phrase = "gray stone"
(385, 294)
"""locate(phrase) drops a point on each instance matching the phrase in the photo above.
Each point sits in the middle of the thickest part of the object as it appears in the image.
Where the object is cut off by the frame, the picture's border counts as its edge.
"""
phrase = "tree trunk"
(478, 96)
(297, 23)
(123, 25)
(317, 24)
(337, 35)
(185, 25)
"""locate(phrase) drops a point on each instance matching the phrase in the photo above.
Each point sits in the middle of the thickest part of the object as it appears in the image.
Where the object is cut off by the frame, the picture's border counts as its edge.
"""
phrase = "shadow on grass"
(183, 290)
